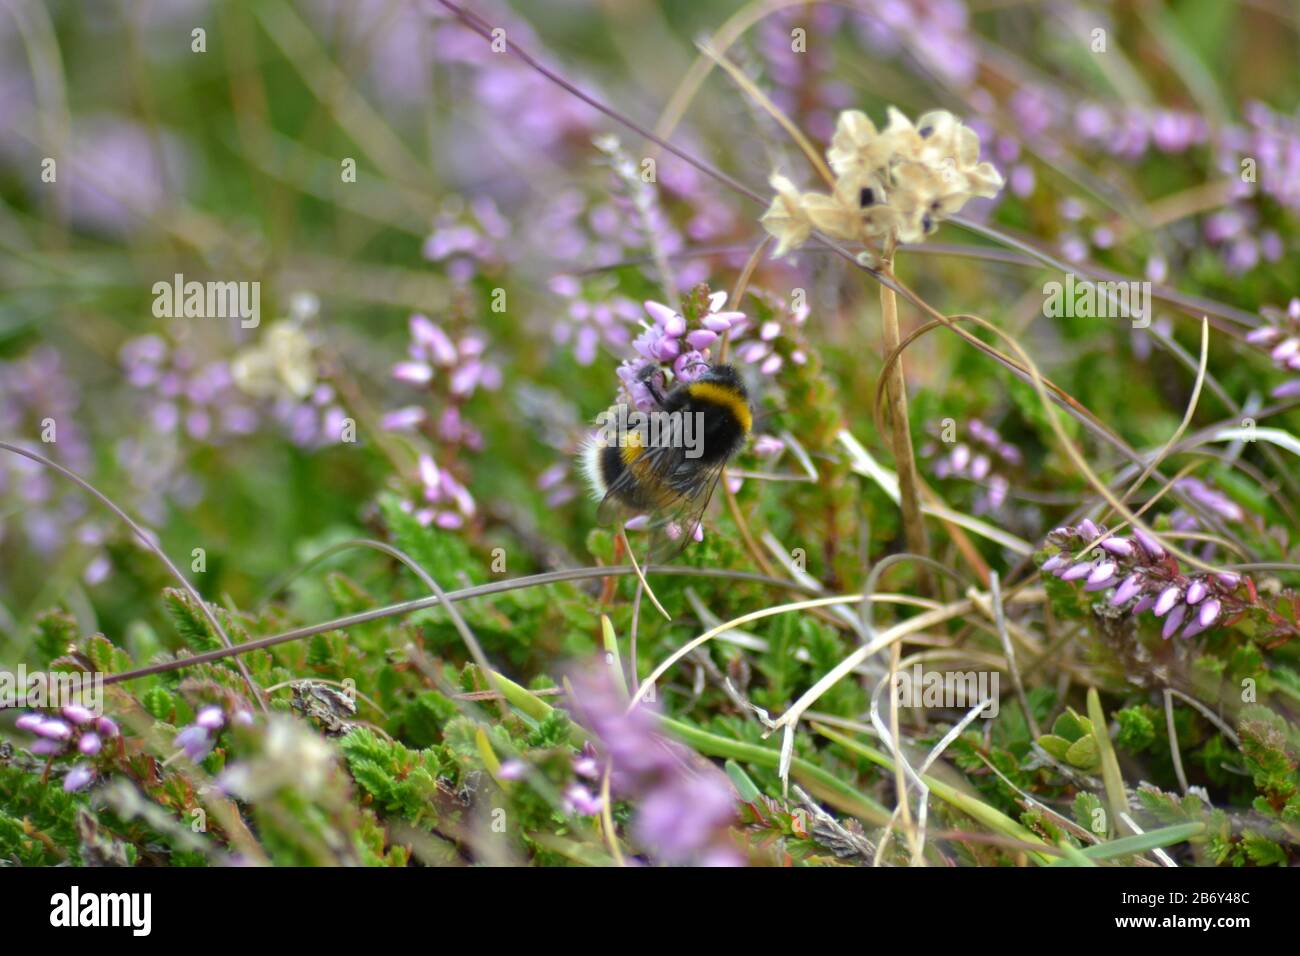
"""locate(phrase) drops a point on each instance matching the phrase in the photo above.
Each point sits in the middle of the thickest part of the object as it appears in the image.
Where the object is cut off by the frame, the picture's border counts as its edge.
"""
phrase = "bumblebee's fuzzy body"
(666, 481)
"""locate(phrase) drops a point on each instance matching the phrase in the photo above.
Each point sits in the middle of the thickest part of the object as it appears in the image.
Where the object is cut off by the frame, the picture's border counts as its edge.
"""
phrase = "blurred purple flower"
(683, 805)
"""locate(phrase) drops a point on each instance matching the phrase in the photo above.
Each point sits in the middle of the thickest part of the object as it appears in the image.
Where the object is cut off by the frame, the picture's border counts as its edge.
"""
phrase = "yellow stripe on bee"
(725, 396)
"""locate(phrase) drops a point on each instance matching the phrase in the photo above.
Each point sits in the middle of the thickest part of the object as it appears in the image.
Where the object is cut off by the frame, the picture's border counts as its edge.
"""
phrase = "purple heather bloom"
(196, 742)
(701, 339)
(1149, 544)
(676, 820)
(46, 748)
(512, 770)
(682, 812)
(1121, 546)
(1167, 599)
(29, 722)
(89, 744)
(578, 798)
(106, 727)
(210, 718)
(1076, 572)
(78, 778)
(1130, 587)
(119, 173)
(1102, 572)
(78, 714)
(1172, 622)
(1052, 563)
(1209, 612)
(1196, 592)
(1228, 579)
(53, 729)
(413, 373)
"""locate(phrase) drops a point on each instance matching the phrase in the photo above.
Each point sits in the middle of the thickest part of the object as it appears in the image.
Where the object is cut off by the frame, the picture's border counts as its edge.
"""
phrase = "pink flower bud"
(1168, 598)
(1172, 622)
(1102, 573)
(1077, 572)
(1120, 546)
(1209, 612)
(659, 312)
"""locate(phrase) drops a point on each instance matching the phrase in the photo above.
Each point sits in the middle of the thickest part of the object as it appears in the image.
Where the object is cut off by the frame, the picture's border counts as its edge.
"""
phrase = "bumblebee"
(668, 464)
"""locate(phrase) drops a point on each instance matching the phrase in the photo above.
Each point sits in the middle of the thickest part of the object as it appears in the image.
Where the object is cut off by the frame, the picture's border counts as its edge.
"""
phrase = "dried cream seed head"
(895, 184)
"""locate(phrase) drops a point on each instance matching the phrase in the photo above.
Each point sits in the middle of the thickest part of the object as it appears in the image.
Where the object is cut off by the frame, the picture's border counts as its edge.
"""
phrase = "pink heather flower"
(1209, 612)
(512, 770)
(46, 748)
(196, 742)
(78, 778)
(1121, 546)
(89, 744)
(689, 366)
(1149, 544)
(1196, 592)
(53, 729)
(430, 341)
(701, 339)
(106, 727)
(78, 714)
(663, 315)
(1168, 598)
(402, 419)
(681, 813)
(1228, 579)
(413, 373)
(578, 798)
(1174, 619)
(675, 821)
(1102, 573)
(1127, 590)
(29, 722)
(210, 718)
(1076, 572)
(1284, 351)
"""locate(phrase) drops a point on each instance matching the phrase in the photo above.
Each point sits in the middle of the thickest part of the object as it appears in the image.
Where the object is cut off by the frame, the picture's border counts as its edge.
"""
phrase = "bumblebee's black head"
(726, 376)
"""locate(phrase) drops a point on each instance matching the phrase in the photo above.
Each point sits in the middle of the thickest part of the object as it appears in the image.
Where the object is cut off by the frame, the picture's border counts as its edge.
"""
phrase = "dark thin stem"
(420, 604)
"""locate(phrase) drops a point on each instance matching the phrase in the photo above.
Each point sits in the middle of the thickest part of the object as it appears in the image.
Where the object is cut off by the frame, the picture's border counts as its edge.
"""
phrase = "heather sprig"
(684, 806)
(1139, 576)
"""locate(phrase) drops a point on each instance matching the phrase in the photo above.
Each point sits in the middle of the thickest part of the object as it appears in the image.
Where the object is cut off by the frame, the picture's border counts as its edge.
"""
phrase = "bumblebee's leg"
(648, 379)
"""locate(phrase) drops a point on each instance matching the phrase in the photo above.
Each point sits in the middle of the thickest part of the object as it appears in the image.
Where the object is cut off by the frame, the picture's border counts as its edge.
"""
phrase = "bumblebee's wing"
(673, 528)
(642, 486)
